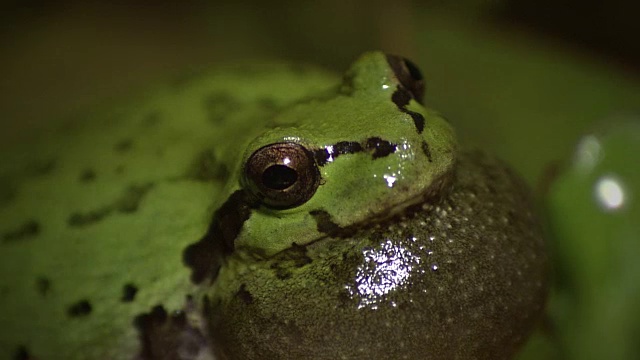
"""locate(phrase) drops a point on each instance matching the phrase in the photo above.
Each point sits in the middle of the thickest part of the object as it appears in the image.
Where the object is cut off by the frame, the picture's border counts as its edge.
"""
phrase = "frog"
(267, 211)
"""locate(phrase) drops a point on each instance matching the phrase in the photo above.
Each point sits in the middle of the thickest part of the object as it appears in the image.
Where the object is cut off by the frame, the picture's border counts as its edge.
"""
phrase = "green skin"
(424, 251)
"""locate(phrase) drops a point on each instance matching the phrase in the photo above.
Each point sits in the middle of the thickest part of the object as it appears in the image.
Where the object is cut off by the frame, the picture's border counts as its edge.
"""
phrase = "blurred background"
(521, 77)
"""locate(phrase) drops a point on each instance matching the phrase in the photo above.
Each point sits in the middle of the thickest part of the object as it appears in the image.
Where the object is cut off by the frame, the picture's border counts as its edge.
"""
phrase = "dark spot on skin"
(83, 219)
(27, 230)
(87, 175)
(123, 145)
(401, 98)
(132, 197)
(219, 105)
(426, 150)
(324, 223)
(22, 353)
(378, 147)
(381, 148)
(168, 337)
(418, 120)
(244, 295)
(129, 292)
(204, 257)
(206, 167)
(41, 168)
(128, 203)
(43, 285)
(322, 156)
(346, 147)
(408, 75)
(80, 309)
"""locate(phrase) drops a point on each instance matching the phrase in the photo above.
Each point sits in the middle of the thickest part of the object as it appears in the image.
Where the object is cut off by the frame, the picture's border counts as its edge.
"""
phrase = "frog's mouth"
(206, 256)
(424, 201)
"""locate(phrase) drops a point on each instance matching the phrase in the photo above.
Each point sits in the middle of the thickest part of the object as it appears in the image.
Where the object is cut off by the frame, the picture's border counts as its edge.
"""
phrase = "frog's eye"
(282, 175)
(408, 75)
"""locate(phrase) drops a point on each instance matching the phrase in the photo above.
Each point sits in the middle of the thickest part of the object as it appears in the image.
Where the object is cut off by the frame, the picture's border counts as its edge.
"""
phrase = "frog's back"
(94, 215)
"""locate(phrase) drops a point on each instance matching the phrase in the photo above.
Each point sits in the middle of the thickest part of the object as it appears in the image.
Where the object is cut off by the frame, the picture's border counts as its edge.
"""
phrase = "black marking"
(324, 223)
(244, 294)
(87, 175)
(132, 198)
(27, 230)
(77, 219)
(129, 292)
(408, 75)
(43, 285)
(401, 98)
(41, 168)
(426, 150)
(22, 353)
(128, 203)
(346, 147)
(168, 337)
(418, 120)
(219, 105)
(204, 257)
(206, 167)
(378, 147)
(381, 148)
(80, 309)
(123, 145)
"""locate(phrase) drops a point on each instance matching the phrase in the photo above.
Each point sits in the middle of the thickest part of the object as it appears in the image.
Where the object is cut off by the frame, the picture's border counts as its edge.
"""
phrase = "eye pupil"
(279, 177)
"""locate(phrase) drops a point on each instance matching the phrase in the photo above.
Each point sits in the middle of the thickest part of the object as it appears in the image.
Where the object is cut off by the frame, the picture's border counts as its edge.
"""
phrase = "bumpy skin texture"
(96, 211)
(132, 234)
(459, 277)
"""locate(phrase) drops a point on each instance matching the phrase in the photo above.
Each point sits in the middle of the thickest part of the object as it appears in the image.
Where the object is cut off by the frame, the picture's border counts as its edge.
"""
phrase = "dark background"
(534, 71)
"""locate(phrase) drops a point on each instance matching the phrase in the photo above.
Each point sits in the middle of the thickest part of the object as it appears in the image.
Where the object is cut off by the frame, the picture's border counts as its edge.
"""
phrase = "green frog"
(267, 212)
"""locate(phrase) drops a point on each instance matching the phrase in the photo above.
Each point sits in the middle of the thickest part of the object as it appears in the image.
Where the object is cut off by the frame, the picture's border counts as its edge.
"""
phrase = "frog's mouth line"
(438, 190)
(206, 256)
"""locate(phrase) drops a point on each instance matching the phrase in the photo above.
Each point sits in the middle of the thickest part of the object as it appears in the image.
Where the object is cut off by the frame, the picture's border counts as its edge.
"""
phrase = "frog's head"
(331, 164)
